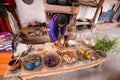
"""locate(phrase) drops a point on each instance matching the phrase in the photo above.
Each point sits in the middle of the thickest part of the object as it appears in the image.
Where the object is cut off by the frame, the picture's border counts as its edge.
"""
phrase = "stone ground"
(109, 70)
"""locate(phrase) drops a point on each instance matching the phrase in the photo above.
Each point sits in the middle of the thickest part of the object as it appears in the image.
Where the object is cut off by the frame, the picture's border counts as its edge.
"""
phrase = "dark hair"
(61, 19)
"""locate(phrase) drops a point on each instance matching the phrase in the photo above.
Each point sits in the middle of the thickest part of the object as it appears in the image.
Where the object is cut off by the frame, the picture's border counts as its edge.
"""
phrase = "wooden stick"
(18, 58)
(95, 18)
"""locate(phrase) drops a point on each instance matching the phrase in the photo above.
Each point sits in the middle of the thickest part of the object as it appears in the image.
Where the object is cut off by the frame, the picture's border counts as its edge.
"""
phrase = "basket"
(56, 59)
(34, 35)
(30, 62)
(87, 54)
(69, 57)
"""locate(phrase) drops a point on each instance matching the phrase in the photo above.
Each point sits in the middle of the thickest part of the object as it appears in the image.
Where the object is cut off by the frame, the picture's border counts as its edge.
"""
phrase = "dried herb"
(105, 43)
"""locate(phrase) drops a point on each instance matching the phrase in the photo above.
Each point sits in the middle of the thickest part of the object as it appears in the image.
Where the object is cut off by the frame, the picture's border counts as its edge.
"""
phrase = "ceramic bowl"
(14, 66)
(101, 53)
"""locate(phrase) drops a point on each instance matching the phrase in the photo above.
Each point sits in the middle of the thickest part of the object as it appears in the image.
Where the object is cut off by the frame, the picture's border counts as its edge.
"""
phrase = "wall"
(88, 12)
(108, 4)
(29, 14)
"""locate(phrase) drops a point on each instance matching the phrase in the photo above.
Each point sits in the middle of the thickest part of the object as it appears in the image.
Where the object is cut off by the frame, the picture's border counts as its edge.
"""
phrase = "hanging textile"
(13, 23)
(12, 7)
(3, 25)
(8, 24)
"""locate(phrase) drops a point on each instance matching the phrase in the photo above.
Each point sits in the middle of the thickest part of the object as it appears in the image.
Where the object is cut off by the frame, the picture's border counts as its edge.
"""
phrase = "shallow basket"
(76, 57)
(31, 59)
(92, 53)
(37, 37)
(55, 67)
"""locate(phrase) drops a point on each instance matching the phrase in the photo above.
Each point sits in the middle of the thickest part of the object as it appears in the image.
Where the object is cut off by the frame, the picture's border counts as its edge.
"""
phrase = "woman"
(56, 26)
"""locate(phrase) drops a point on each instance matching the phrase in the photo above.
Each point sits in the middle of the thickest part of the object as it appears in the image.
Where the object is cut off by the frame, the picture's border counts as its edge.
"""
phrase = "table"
(25, 74)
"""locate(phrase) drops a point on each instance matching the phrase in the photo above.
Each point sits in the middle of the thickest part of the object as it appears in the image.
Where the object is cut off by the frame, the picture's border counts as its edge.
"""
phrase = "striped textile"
(5, 41)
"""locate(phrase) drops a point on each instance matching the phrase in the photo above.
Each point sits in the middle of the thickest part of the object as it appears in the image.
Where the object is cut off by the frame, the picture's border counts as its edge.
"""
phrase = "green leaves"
(105, 43)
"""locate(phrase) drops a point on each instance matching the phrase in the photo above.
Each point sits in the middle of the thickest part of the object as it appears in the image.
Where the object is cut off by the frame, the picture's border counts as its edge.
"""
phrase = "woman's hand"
(62, 37)
(57, 43)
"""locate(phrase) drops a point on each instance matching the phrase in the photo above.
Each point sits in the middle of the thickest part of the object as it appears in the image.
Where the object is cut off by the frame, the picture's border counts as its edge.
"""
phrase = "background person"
(57, 27)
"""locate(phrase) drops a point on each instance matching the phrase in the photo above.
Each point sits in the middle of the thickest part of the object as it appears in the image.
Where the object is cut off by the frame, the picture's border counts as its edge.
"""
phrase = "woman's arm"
(52, 34)
(63, 29)
(51, 31)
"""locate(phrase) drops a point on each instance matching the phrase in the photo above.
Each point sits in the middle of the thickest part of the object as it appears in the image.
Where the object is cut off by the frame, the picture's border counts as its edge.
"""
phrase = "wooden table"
(79, 65)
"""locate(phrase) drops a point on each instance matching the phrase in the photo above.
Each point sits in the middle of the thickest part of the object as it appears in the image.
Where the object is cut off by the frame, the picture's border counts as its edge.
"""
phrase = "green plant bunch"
(105, 43)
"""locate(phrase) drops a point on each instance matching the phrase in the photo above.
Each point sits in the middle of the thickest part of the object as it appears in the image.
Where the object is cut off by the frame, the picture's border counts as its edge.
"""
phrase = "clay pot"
(14, 66)
(101, 53)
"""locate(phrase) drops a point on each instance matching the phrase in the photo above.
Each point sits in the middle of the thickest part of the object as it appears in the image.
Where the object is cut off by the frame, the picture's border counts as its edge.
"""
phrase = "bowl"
(14, 66)
(101, 53)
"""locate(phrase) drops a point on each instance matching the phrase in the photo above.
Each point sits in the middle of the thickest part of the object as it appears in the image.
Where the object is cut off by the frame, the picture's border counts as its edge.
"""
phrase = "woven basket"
(34, 35)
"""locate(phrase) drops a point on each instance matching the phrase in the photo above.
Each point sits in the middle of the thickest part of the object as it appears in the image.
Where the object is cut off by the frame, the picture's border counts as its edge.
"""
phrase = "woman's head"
(61, 20)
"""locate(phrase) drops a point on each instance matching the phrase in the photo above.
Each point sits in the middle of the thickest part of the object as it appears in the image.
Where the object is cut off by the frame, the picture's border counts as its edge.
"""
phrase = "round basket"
(52, 61)
(69, 57)
(32, 62)
(87, 54)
